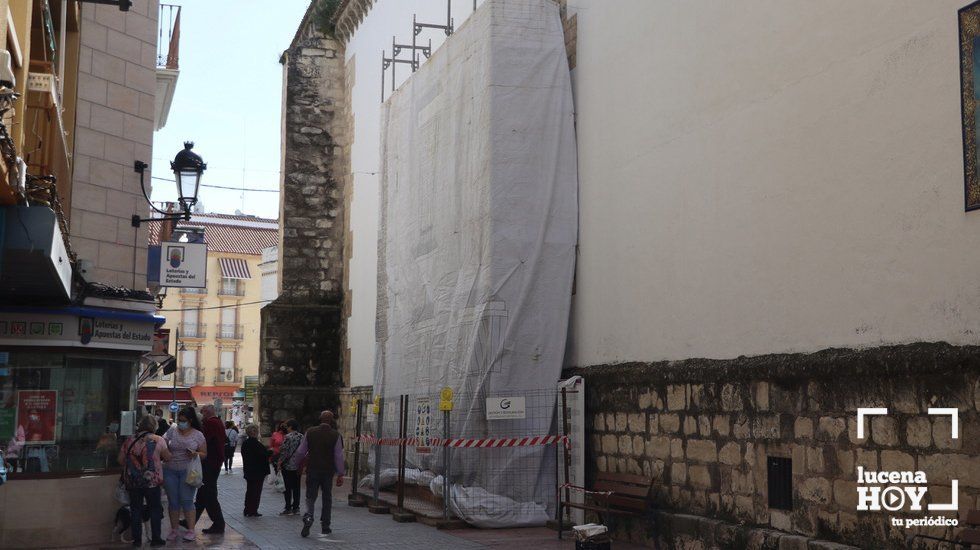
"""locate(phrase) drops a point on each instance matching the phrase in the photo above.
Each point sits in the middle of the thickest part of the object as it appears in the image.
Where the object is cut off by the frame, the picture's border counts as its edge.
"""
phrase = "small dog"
(124, 522)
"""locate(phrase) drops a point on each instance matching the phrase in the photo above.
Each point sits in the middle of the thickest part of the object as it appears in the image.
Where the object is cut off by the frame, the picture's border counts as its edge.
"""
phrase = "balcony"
(233, 290)
(230, 332)
(228, 376)
(196, 330)
(194, 291)
(168, 54)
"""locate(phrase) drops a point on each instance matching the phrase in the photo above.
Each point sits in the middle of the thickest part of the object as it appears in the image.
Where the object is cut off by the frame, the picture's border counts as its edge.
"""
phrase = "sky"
(228, 101)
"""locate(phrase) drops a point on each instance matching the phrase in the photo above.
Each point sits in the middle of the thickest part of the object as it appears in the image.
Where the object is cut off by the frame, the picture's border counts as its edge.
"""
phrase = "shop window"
(61, 413)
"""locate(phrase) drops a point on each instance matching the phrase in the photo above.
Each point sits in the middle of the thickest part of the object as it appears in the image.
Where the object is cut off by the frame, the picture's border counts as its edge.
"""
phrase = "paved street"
(352, 528)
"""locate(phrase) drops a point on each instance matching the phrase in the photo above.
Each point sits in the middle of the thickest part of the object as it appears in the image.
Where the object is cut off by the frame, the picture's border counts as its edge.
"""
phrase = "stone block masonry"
(704, 429)
(301, 368)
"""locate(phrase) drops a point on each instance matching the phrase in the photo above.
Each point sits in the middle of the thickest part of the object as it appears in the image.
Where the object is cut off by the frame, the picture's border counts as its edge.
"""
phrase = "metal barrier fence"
(502, 470)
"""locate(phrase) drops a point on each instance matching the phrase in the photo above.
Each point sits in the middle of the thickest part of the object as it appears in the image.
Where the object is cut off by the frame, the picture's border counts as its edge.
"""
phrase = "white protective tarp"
(478, 232)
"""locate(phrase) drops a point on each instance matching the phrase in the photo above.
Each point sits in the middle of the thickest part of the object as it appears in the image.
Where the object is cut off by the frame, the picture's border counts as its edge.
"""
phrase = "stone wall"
(301, 362)
(704, 429)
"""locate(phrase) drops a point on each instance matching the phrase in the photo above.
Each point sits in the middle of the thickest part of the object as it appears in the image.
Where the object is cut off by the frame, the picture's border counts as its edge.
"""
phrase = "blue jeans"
(180, 495)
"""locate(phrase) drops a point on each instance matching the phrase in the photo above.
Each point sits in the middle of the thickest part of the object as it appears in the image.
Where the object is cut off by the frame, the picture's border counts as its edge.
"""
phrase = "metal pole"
(445, 465)
(173, 415)
(568, 459)
(377, 449)
(402, 413)
(357, 448)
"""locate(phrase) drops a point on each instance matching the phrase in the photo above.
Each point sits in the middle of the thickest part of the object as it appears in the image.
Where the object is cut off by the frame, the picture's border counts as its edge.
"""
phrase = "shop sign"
(183, 265)
(38, 329)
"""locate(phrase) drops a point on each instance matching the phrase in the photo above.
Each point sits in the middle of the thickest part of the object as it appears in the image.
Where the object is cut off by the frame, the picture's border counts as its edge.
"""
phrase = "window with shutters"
(188, 366)
(227, 366)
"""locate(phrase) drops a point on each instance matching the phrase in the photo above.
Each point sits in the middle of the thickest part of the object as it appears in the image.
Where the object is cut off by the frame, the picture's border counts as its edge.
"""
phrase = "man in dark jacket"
(162, 425)
(323, 449)
(207, 494)
(255, 465)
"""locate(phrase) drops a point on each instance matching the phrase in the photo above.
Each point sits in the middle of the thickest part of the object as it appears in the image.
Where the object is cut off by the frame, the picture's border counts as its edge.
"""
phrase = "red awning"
(164, 395)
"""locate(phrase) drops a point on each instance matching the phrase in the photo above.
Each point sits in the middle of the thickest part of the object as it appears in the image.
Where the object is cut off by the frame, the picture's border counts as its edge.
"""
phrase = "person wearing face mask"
(185, 441)
(162, 425)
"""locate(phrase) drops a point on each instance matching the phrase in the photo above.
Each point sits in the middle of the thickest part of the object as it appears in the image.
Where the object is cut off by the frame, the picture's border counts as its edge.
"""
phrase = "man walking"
(207, 494)
(323, 447)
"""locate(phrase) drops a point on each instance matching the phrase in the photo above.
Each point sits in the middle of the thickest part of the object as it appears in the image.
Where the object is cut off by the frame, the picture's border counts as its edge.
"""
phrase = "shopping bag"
(195, 475)
(122, 494)
(278, 483)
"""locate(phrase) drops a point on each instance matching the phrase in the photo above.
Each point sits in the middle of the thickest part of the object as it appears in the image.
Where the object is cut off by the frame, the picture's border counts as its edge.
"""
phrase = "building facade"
(75, 318)
(772, 235)
(214, 330)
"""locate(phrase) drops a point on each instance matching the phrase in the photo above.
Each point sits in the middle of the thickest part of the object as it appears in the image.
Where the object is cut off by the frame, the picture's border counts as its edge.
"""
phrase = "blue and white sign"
(183, 265)
(174, 407)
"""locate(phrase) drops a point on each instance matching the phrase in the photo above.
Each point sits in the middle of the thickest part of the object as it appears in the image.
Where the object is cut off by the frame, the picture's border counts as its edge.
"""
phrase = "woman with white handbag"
(182, 474)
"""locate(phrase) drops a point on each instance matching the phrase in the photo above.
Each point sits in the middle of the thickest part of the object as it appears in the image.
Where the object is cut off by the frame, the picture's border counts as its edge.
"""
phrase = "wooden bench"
(613, 494)
(967, 537)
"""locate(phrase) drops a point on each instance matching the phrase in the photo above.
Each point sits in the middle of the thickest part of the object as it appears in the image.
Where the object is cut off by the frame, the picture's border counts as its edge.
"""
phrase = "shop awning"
(164, 395)
(234, 268)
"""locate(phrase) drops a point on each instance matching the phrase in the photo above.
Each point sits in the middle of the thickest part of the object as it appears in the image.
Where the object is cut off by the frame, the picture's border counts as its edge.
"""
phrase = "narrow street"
(352, 528)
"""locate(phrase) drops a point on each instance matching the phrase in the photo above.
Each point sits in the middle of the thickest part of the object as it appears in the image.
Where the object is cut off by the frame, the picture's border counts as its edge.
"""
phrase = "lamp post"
(188, 167)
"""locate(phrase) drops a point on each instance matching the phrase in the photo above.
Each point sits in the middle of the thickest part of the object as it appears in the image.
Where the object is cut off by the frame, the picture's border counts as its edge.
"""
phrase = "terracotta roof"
(229, 233)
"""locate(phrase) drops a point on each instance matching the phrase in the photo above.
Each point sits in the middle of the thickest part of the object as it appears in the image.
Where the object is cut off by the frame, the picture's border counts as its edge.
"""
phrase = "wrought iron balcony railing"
(196, 330)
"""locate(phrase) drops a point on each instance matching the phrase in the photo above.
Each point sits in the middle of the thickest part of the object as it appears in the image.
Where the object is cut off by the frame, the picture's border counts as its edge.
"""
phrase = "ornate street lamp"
(188, 168)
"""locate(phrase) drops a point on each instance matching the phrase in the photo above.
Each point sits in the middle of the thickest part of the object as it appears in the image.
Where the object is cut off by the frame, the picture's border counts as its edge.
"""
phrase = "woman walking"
(185, 441)
(231, 441)
(255, 465)
(141, 457)
(290, 467)
(275, 442)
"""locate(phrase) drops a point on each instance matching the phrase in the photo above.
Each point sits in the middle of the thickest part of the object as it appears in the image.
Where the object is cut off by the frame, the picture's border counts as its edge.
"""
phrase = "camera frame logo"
(904, 490)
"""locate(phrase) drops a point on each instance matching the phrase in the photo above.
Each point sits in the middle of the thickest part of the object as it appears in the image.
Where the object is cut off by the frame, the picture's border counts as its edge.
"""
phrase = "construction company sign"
(904, 490)
(183, 265)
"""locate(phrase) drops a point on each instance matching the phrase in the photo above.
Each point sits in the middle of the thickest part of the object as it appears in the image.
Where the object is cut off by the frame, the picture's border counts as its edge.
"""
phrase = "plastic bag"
(122, 494)
(278, 483)
(195, 475)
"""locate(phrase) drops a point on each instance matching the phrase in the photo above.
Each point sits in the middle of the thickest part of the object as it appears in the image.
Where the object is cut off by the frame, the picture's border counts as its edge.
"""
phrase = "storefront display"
(60, 412)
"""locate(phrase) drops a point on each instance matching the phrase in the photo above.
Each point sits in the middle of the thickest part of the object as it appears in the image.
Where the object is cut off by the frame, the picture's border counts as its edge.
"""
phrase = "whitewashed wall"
(769, 176)
(386, 18)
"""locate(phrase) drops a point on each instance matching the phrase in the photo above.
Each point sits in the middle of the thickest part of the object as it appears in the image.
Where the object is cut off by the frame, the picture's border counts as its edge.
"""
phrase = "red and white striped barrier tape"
(490, 442)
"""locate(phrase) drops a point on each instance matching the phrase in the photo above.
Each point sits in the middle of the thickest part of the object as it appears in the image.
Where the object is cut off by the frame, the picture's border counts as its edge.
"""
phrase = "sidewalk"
(352, 527)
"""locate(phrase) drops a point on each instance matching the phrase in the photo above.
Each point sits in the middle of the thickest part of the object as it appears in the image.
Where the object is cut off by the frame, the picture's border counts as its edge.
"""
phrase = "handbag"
(122, 494)
(195, 475)
(278, 483)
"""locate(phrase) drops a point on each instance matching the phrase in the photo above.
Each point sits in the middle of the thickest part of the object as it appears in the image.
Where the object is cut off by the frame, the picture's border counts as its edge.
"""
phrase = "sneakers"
(307, 523)
(287, 512)
(174, 533)
(295, 511)
(326, 531)
(190, 536)
(213, 530)
(157, 542)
